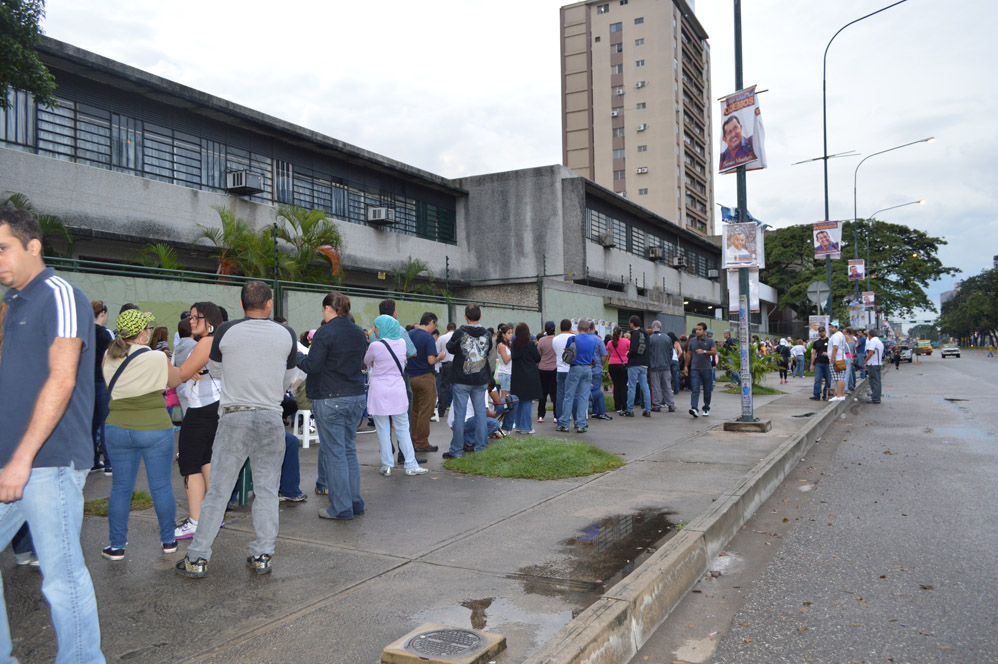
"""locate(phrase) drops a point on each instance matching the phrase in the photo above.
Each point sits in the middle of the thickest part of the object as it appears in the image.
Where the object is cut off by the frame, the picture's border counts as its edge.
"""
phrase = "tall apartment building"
(636, 105)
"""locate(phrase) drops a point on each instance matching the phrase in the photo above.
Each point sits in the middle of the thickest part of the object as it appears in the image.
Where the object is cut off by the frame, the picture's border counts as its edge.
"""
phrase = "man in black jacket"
(637, 368)
(470, 347)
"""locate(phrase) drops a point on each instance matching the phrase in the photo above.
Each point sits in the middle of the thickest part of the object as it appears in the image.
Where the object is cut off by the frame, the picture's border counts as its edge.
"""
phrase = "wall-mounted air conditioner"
(641, 170)
(614, 114)
(678, 262)
(606, 239)
(712, 274)
(380, 216)
(639, 84)
(655, 253)
(642, 127)
(243, 183)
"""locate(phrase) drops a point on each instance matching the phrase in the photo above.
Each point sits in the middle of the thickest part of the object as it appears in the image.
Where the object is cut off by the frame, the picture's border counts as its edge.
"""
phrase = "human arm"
(410, 348)
(455, 342)
(53, 398)
(503, 351)
(197, 360)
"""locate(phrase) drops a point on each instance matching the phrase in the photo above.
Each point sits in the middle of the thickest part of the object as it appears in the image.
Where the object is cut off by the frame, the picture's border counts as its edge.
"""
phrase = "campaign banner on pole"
(857, 269)
(827, 239)
(743, 246)
(743, 140)
(733, 290)
(814, 322)
(857, 315)
(868, 298)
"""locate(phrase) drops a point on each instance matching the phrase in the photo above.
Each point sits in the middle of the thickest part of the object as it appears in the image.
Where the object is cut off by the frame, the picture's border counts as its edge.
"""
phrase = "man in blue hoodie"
(469, 377)
(579, 380)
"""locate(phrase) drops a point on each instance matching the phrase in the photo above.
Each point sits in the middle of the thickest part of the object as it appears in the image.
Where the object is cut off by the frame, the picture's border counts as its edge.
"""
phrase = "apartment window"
(623, 2)
(618, 154)
(602, 9)
(639, 63)
(616, 69)
(642, 192)
(126, 142)
(641, 105)
(619, 90)
(618, 132)
(616, 48)
(18, 122)
(639, 20)
(597, 38)
(639, 42)
(642, 148)
(619, 175)
(616, 27)
(616, 110)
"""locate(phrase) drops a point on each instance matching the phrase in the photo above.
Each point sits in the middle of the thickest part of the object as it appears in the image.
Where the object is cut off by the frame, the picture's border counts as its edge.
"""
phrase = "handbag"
(568, 355)
(840, 365)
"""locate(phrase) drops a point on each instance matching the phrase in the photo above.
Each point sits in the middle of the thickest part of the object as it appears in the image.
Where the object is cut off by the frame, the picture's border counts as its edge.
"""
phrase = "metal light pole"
(855, 226)
(744, 317)
(824, 131)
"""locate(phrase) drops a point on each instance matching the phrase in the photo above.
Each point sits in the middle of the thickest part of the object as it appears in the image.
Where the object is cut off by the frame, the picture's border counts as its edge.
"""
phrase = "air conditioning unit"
(614, 114)
(380, 216)
(641, 170)
(678, 262)
(639, 84)
(243, 183)
(655, 253)
(642, 127)
(620, 93)
(712, 274)
(606, 239)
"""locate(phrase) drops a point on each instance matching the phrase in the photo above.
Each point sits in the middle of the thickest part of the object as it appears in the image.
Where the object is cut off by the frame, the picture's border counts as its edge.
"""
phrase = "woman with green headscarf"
(387, 400)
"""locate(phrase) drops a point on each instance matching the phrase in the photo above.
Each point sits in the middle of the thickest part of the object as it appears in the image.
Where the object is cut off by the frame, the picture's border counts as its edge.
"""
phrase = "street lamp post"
(855, 174)
(824, 130)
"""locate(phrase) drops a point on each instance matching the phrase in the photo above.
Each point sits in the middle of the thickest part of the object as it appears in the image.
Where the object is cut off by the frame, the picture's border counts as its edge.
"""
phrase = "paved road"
(881, 546)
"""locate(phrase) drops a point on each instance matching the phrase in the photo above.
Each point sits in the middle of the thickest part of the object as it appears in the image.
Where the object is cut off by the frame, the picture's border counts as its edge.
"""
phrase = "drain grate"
(445, 643)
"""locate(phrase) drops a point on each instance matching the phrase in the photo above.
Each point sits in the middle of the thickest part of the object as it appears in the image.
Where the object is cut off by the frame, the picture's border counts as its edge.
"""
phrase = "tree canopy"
(20, 68)
(972, 313)
(903, 261)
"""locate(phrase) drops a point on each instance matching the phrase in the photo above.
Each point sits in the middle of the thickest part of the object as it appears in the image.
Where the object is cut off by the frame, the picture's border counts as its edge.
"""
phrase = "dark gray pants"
(661, 387)
(873, 373)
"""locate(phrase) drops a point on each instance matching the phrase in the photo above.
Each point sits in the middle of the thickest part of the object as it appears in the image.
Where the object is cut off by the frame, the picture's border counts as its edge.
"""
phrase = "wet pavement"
(516, 557)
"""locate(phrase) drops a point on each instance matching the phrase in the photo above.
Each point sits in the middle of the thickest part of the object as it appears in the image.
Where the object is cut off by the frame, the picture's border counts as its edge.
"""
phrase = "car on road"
(950, 350)
(924, 348)
(905, 352)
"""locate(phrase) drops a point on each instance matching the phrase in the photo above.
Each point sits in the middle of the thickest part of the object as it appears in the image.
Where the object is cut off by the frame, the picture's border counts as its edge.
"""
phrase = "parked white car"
(950, 350)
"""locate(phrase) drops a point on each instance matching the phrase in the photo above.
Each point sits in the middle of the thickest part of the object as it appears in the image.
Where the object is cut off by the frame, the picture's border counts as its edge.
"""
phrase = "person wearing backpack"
(578, 355)
(637, 368)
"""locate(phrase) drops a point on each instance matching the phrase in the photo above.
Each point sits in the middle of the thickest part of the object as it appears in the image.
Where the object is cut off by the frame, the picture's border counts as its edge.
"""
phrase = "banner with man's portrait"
(857, 270)
(743, 246)
(743, 140)
(827, 239)
(814, 322)
(868, 298)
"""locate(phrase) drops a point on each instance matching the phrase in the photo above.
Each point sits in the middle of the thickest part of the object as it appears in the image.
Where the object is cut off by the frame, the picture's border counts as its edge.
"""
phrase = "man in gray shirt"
(700, 369)
(255, 358)
(660, 368)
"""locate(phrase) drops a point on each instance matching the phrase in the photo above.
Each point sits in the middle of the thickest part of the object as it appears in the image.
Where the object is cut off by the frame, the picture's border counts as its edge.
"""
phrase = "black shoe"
(98, 467)
(448, 455)
(427, 450)
(647, 413)
(170, 547)
(581, 429)
(814, 398)
(468, 449)
(603, 417)
(656, 409)
(259, 564)
(627, 413)
(112, 553)
(194, 569)
(562, 429)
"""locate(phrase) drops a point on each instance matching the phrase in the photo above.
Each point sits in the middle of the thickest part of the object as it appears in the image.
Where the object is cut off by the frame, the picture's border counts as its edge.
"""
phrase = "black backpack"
(568, 355)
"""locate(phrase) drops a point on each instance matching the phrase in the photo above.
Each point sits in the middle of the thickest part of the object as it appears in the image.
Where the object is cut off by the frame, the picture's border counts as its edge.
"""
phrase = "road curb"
(612, 630)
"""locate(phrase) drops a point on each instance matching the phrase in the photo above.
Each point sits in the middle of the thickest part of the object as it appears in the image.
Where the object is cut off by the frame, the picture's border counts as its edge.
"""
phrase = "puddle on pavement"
(811, 414)
(952, 399)
(496, 614)
(599, 556)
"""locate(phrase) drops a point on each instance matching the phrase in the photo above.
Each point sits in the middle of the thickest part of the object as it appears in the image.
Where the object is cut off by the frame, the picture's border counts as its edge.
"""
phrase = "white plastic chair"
(303, 428)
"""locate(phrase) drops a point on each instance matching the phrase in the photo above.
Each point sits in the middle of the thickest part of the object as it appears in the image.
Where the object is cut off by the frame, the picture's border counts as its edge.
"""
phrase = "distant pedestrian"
(548, 369)
(698, 355)
(575, 400)
(443, 368)
(783, 351)
(797, 355)
(874, 361)
(422, 379)
(637, 369)
(525, 378)
(617, 349)
(819, 365)
(470, 346)
(659, 368)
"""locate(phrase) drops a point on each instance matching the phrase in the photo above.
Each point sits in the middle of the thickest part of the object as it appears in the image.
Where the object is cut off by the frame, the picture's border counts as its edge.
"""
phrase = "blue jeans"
(700, 377)
(460, 394)
(383, 427)
(155, 450)
(799, 366)
(290, 469)
(874, 372)
(674, 366)
(523, 416)
(636, 375)
(576, 396)
(861, 369)
(851, 377)
(559, 394)
(822, 372)
(491, 426)
(52, 504)
(510, 419)
(101, 399)
(596, 397)
(337, 419)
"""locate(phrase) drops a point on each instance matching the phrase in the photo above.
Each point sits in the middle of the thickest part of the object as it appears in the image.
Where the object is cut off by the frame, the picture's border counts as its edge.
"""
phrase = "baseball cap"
(835, 323)
(549, 325)
(131, 322)
(821, 328)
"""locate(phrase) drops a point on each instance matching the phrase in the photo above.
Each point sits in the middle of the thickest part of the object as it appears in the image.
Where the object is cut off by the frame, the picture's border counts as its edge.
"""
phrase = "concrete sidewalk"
(517, 557)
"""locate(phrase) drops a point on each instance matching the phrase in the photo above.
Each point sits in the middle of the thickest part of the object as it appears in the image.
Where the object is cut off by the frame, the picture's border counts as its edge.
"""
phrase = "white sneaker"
(185, 530)
(385, 471)
(435, 418)
(705, 412)
(837, 399)
(416, 471)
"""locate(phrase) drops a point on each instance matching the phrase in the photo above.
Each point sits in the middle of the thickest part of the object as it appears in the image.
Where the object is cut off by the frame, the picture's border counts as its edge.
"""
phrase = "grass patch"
(536, 458)
(756, 389)
(140, 501)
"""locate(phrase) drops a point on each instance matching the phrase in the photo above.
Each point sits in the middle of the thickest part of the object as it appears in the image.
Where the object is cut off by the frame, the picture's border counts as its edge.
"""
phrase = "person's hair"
(656, 326)
(820, 233)
(119, 347)
(340, 303)
(126, 307)
(254, 296)
(451, 326)
(521, 335)
(500, 333)
(184, 328)
(98, 307)
(280, 319)
(225, 314)
(22, 223)
(427, 318)
(212, 315)
(386, 307)
(672, 335)
(635, 321)
(616, 335)
(159, 334)
(584, 325)
(436, 332)
(473, 312)
(733, 118)
(565, 325)
(303, 338)
(683, 339)
(410, 327)
(703, 325)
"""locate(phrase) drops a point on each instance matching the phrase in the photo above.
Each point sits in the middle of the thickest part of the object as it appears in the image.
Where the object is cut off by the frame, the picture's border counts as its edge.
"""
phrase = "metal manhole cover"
(445, 642)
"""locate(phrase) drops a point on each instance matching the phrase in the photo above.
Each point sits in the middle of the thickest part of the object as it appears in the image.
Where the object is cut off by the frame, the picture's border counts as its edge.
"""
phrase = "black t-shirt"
(820, 346)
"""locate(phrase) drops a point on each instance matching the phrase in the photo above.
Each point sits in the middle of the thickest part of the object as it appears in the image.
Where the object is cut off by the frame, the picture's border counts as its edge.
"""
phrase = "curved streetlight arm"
(894, 207)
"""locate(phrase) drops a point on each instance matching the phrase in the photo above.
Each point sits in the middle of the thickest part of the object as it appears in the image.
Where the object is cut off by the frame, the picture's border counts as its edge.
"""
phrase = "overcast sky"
(467, 87)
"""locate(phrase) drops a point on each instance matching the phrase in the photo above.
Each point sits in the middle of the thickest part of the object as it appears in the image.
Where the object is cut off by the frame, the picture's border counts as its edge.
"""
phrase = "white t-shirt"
(877, 346)
(470, 413)
(837, 339)
(797, 351)
(504, 367)
(442, 348)
(558, 345)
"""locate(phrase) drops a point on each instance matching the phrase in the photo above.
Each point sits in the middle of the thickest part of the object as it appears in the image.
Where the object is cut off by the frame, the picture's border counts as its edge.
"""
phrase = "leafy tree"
(973, 310)
(409, 278)
(731, 360)
(159, 255)
(52, 226)
(903, 262)
(229, 240)
(20, 67)
(315, 239)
